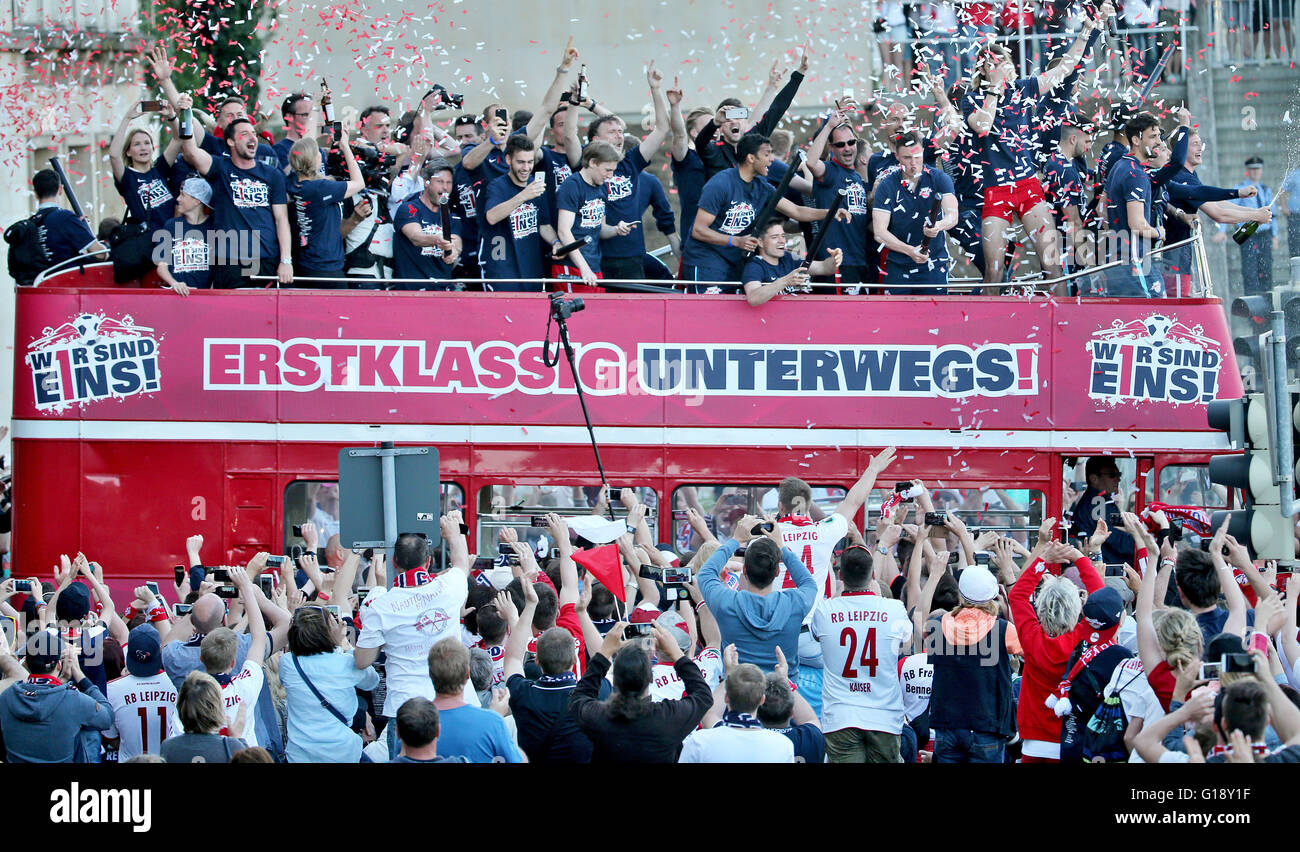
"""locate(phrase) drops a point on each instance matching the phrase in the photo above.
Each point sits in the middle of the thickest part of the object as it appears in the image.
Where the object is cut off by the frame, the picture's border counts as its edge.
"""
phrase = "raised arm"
(256, 625)
(861, 490)
(119, 139)
(677, 123)
(772, 115)
(517, 643)
(655, 140)
(1053, 77)
(198, 159)
(559, 530)
(551, 101)
(817, 148)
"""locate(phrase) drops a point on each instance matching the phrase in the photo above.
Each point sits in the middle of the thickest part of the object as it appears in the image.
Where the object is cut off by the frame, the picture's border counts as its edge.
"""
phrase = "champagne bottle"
(185, 125)
(582, 83)
(326, 102)
(1245, 232)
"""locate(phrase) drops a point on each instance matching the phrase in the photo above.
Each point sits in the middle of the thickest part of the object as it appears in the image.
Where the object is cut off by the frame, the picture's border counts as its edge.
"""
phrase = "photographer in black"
(1095, 505)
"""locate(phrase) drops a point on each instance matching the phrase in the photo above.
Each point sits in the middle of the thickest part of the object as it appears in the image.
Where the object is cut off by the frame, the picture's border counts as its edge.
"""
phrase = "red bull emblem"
(92, 357)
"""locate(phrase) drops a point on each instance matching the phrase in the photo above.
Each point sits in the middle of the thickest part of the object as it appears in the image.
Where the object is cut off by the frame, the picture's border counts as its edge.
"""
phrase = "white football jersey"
(144, 713)
(860, 635)
(916, 673)
(667, 686)
(814, 543)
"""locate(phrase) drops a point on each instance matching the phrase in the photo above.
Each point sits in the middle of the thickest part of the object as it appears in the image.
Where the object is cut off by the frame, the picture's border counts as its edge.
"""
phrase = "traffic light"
(1259, 523)
(1291, 313)
(1256, 311)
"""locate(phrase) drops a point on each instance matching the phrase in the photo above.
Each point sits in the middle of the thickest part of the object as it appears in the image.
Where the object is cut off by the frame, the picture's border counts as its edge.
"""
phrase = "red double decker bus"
(141, 418)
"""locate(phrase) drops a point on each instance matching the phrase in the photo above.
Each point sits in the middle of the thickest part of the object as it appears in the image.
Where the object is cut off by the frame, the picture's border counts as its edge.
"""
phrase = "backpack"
(130, 247)
(28, 256)
(1102, 739)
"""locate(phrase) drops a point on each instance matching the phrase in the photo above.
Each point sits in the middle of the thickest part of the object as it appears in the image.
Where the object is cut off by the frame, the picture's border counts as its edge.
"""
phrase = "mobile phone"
(638, 631)
(761, 528)
(1237, 663)
(151, 106)
(680, 515)
(1259, 642)
(983, 557)
(954, 558)
(153, 587)
(334, 610)
(181, 571)
(218, 575)
(539, 177)
(734, 113)
(1115, 569)
(23, 586)
(362, 591)
(512, 557)
(296, 552)
(648, 572)
(1210, 671)
(900, 487)
(182, 609)
(1079, 486)
(935, 519)
(537, 521)
(464, 529)
(565, 250)
(1113, 519)
(275, 562)
(502, 115)
(1205, 544)
(266, 583)
(677, 576)
(227, 591)
(566, 97)
(297, 530)
(555, 553)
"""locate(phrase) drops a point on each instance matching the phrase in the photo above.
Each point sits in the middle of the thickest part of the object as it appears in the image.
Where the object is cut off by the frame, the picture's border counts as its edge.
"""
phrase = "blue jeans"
(956, 746)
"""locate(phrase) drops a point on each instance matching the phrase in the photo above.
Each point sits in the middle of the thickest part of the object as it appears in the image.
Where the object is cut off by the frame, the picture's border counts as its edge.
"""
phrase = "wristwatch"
(882, 550)
(288, 260)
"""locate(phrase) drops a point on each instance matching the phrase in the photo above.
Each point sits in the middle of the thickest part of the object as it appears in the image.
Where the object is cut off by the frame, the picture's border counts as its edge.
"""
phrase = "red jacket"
(1045, 656)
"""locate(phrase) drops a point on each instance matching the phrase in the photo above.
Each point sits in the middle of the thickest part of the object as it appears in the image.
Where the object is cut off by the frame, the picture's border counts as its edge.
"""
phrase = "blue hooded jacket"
(42, 722)
(756, 624)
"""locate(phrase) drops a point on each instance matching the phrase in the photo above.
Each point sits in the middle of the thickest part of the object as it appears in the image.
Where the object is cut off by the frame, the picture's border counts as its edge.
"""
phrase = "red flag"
(604, 564)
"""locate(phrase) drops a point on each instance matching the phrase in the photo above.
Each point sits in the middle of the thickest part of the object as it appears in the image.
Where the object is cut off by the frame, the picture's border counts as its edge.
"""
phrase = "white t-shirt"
(244, 687)
(814, 544)
(406, 623)
(1129, 682)
(916, 673)
(861, 634)
(667, 686)
(144, 713)
(737, 745)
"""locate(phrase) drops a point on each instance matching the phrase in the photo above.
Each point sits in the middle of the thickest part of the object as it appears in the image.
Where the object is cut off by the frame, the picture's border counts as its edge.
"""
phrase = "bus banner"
(362, 357)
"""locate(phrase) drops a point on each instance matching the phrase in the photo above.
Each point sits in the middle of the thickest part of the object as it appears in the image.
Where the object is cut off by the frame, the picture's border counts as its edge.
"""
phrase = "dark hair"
(520, 119)
(233, 99)
(906, 139)
(417, 722)
(601, 606)
(750, 144)
(555, 651)
(1139, 124)
(855, 568)
(435, 165)
(467, 120)
(792, 486)
(410, 551)
(548, 606)
(775, 711)
(405, 124)
(371, 110)
(1245, 709)
(310, 633)
(632, 674)
(46, 183)
(477, 600)
(762, 562)
(594, 127)
(1197, 578)
(290, 102)
(729, 102)
(517, 142)
(947, 594)
(492, 625)
(1096, 464)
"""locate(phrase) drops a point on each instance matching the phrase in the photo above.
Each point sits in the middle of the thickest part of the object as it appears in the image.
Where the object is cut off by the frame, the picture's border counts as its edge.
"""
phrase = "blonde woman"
(203, 713)
(316, 212)
(139, 178)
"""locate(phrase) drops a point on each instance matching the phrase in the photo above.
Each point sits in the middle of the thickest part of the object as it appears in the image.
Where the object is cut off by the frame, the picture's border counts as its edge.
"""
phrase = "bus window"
(516, 505)
(1076, 481)
(318, 502)
(1189, 485)
(1014, 512)
(723, 505)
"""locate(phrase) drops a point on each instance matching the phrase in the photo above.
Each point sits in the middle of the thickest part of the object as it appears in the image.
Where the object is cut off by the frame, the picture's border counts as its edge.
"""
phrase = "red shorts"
(1019, 198)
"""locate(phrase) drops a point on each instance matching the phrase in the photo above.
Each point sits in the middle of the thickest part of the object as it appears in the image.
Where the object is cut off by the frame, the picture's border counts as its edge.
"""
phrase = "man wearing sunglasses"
(1093, 506)
(842, 171)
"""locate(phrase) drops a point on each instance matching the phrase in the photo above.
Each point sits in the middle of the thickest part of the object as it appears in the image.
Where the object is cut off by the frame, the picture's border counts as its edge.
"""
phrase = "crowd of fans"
(788, 637)
(890, 189)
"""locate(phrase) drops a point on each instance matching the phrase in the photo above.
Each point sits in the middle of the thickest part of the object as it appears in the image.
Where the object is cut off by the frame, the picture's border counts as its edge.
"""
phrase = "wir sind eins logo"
(92, 357)
(1157, 358)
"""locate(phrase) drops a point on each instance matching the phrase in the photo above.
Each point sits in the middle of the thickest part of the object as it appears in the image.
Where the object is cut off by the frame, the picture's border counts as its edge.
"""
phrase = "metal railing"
(1252, 32)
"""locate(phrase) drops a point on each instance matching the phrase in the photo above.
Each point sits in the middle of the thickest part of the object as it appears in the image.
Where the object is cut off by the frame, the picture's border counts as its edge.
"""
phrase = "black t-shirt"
(547, 731)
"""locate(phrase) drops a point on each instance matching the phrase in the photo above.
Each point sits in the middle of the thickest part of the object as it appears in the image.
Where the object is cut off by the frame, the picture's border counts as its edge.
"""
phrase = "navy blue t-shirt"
(1063, 186)
(556, 165)
(758, 269)
(421, 262)
(734, 205)
(1128, 181)
(217, 147)
(622, 204)
(851, 237)
(242, 199)
(467, 193)
(316, 212)
(63, 234)
(587, 203)
(1010, 143)
(809, 742)
(187, 251)
(908, 211)
(512, 248)
(147, 196)
(689, 178)
(281, 150)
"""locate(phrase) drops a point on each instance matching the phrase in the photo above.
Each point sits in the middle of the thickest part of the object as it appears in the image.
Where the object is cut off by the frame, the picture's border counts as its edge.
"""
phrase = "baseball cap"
(144, 651)
(977, 585)
(1104, 608)
(198, 188)
(643, 615)
(1223, 643)
(673, 623)
(73, 603)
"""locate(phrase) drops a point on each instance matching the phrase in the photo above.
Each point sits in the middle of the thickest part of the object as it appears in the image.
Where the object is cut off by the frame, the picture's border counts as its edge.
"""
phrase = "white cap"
(977, 585)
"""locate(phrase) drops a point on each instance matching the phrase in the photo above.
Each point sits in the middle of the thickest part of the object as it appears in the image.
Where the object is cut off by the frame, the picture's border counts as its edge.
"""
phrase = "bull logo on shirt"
(247, 192)
(154, 194)
(1157, 358)
(431, 251)
(189, 254)
(739, 216)
(523, 220)
(855, 198)
(592, 213)
(619, 187)
(562, 172)
(466, 193)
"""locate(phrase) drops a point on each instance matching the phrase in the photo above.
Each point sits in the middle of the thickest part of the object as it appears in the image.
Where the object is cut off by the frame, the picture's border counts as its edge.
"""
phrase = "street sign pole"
(379, 502)
(388, 473)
